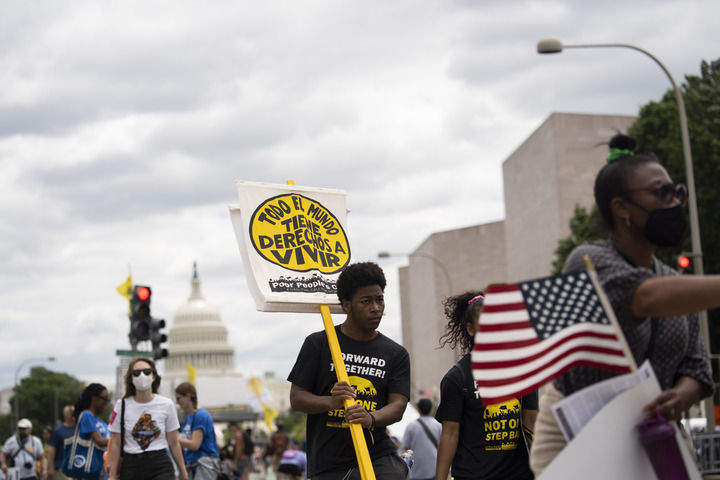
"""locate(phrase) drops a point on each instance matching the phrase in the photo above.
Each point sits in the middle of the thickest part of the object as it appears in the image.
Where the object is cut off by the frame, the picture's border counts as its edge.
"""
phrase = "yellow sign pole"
(361, 450)
(358, 438)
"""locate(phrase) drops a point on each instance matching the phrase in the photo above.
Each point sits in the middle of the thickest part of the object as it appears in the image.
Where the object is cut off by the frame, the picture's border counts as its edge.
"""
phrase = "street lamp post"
(17, 372)
(423, 255)
(553, 45)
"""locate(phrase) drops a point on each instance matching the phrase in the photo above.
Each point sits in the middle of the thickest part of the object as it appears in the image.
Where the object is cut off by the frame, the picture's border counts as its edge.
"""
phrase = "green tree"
(657, 130)
(36, 394)
(6, 427)
(584, 227)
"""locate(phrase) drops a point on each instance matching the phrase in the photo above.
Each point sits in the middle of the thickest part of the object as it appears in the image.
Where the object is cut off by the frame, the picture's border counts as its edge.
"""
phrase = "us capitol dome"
(198, 338)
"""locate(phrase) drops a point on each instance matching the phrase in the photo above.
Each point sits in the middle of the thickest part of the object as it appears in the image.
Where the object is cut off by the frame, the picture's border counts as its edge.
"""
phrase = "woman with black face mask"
(657, 309)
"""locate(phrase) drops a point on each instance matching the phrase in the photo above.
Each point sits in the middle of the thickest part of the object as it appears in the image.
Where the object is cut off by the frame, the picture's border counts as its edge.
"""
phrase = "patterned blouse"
(673, 345)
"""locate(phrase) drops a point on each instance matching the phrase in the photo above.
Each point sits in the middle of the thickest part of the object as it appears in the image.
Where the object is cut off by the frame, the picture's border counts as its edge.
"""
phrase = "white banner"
(293, 242)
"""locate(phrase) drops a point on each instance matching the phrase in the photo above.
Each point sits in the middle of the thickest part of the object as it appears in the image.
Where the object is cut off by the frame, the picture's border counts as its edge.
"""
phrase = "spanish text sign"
(293, 242)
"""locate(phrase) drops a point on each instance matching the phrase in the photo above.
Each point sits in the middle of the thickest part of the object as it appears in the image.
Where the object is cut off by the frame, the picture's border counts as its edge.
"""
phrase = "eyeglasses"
(146, 371)
(666, 192)
(105, 399)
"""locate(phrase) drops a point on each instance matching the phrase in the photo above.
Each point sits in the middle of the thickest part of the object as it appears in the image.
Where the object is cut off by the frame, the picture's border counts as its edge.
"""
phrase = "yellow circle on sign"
(300, 234)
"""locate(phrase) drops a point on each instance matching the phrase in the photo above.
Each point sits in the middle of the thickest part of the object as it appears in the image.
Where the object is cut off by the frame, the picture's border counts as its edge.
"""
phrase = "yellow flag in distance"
(126, 288)
(192, 373)
(270, 416)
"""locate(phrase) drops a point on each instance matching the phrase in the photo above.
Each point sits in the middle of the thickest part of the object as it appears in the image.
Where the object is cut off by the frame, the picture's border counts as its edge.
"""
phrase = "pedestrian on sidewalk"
(150, 426)
(423, 437)
(87, 411)
(24, 449)
(197, 435)
(481, 442)
(56, 446)
(379, 387)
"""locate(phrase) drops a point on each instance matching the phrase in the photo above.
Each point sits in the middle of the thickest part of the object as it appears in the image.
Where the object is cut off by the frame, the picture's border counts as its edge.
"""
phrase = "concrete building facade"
(543, 179)
(446, 263)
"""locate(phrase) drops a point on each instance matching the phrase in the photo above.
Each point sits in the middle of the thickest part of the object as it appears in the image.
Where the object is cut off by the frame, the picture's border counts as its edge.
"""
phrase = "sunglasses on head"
(666, 192)
(146, 371)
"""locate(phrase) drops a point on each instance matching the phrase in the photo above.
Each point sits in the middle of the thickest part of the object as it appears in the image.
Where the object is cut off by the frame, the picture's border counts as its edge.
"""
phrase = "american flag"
(532, 332)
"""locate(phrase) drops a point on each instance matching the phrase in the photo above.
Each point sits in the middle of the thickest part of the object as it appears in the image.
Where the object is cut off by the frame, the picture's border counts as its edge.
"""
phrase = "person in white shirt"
(24, 450)
(150, 424)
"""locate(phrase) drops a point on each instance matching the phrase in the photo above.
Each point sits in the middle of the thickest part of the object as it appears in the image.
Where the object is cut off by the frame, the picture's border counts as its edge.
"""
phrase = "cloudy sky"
(123, 126)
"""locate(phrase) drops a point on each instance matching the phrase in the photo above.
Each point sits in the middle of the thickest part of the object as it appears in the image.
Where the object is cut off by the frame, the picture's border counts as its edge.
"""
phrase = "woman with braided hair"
(480, 442)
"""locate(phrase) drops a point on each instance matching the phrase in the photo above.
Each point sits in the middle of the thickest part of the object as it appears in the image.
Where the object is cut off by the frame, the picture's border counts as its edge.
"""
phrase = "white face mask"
(143, 382)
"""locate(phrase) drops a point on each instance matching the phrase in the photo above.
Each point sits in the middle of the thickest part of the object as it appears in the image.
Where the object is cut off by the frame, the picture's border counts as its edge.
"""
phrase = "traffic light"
(140, 319)
(685, 263)
(158, 338)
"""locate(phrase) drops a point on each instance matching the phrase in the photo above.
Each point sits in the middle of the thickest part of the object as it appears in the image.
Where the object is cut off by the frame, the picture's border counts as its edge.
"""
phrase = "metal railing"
(707, 447)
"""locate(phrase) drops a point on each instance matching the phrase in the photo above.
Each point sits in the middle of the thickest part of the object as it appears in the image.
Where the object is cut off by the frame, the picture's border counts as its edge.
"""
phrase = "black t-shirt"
(490, 443)
(375, 368)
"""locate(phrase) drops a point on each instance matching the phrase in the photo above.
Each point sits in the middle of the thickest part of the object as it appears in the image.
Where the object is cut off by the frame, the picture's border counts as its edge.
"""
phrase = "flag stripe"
(503, 317)
(507, 375)
(604, 333)
(504, 336)
(501, 298)
(493, 396)
(550, 371)
(507, 307)
(504, 326)
(502, 288)
(507, 345)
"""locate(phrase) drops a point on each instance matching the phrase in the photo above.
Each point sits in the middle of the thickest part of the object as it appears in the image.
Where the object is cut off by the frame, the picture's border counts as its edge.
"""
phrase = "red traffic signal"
(143, 293)
(683, 261)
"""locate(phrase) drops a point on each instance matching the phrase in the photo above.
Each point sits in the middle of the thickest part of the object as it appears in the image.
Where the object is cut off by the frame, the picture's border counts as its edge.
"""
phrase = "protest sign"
(293, 243)
(609, 447)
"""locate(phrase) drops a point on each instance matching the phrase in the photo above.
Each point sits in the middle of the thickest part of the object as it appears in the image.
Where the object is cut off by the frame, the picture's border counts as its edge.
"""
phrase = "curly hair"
(129, 387)
(359, 275)
(85, 398)
(460, 313)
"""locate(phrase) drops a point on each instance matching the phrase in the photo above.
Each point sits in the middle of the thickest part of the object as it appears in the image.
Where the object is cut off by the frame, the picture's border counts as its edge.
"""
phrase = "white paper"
(609, 446)
(575, 411)
(292, 255)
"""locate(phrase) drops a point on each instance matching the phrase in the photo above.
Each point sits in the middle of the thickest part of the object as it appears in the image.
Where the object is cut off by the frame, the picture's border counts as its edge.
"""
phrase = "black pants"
(153, 465)
(389, 467)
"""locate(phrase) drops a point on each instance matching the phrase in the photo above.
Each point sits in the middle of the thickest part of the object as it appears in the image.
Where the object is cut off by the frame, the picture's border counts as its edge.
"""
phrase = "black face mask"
(665, 227)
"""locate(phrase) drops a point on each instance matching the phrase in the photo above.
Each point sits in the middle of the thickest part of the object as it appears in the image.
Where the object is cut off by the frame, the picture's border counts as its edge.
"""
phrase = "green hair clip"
(616, 153)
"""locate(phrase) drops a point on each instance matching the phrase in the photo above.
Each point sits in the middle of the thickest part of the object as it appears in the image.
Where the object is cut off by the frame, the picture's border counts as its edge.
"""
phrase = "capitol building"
(198, 338)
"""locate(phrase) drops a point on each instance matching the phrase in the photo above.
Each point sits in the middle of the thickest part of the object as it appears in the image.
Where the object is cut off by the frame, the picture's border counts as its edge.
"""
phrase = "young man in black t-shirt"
(379, 374)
